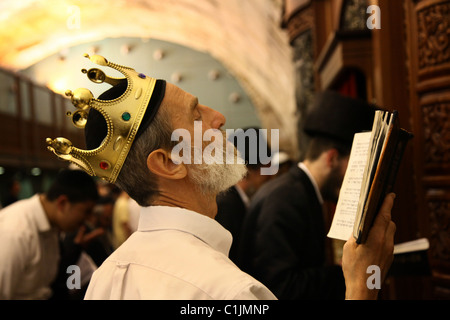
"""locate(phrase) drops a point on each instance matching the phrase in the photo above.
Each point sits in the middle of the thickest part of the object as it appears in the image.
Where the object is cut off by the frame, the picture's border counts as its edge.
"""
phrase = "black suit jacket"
(283, 241)
(231, 211)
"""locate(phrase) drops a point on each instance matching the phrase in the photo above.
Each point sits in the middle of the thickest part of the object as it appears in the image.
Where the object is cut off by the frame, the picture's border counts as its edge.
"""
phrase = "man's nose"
(215, 119)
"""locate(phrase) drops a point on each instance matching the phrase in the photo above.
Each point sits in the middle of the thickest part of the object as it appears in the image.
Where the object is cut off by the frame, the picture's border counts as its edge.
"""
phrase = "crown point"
(81, 98)
(60, 145)
(79, 118)
(86, 55)
(84, 71)
(96, 75)
(68, 93)
(99, 60)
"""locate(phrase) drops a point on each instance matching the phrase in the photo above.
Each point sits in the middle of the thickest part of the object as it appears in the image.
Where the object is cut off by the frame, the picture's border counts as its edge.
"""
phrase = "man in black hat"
(284, 238)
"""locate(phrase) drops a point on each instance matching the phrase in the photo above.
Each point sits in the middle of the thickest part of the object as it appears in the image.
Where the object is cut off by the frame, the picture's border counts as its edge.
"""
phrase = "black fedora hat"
(338, 117)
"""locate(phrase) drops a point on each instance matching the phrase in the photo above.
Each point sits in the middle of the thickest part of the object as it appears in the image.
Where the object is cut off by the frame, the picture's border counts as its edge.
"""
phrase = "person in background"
(284, 163)
(133, 214)
(103, 213)
(120, 220)
(76, 249)
(13, 190)
(284, 242)
(30, 230)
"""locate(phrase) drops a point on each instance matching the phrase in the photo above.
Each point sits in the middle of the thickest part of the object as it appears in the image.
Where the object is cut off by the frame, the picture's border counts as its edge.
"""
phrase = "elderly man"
(179, 251)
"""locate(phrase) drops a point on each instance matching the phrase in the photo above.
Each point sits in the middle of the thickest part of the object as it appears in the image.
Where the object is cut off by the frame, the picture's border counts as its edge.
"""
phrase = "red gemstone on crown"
(104, 165)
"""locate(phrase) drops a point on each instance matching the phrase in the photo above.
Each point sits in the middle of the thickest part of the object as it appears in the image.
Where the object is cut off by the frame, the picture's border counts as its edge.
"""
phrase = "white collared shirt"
(175, 254)
(302, 166)
(29, 251)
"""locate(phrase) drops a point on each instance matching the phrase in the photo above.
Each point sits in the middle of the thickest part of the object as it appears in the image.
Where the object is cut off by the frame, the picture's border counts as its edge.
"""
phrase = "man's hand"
(378, 250)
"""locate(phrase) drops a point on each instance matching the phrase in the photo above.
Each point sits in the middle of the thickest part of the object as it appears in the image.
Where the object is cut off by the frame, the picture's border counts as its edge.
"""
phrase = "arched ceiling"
(245, 35)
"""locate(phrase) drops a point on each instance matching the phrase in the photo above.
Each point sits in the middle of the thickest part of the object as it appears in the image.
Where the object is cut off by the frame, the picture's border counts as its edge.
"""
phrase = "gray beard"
(213, 178)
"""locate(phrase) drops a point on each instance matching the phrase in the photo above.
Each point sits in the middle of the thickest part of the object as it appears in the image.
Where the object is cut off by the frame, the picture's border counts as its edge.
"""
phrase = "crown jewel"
(123, 117)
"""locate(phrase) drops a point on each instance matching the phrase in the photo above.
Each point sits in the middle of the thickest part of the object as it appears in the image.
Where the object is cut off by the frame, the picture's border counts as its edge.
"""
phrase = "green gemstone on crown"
(126, 116)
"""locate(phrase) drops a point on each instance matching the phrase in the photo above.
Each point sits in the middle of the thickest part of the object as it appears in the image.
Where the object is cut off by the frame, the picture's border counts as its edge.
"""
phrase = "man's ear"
(160, 163)
(61, 202)
(332, 158)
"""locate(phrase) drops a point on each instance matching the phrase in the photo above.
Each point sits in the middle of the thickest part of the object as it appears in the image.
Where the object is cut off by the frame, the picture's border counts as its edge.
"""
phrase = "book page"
(87, 268)
(412, 246)
(378, 144)
(376, 130)
(344, 217)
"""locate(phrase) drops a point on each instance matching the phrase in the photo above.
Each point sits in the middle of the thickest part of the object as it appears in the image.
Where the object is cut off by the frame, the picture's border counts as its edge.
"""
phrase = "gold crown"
(123, 117)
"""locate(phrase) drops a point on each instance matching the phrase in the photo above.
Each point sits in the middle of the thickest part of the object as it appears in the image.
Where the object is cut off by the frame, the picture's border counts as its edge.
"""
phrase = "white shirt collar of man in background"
(302, 166)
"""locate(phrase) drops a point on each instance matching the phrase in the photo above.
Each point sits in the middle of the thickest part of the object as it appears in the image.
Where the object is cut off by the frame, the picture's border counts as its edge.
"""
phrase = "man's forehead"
(176, 95)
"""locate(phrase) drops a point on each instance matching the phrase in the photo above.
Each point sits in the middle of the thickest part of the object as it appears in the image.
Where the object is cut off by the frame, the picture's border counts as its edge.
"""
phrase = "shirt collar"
(208, 230)
(302, 166)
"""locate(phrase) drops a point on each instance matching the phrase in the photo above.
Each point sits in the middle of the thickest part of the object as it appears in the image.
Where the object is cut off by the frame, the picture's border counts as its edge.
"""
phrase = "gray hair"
(135, 178)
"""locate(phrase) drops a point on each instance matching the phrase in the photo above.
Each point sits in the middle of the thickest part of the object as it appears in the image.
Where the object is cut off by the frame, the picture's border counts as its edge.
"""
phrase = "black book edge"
(387, 179)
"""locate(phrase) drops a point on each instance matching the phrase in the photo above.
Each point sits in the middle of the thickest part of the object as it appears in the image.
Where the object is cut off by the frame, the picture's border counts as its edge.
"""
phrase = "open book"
(373, 164)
